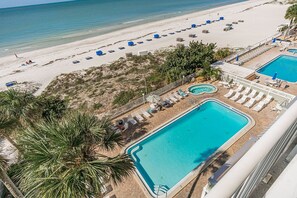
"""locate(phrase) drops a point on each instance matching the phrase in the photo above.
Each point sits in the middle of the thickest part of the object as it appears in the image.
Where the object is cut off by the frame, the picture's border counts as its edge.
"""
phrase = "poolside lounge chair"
(173, 98)
(259, 107)
(139, 117)
(246, 91)
(239, 88)
(259, 96)
(277, 108)
(168, 100)
(131, 120)
(252, 94)
(146, 114)
(250, 103)
(182, 93)
(229, 94)
(268, 99)
(236, 96)
(242, 100)
(177, 96)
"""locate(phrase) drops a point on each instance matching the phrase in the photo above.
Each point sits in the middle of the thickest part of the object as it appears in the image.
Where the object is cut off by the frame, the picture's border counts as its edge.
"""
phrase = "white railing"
(279, 96)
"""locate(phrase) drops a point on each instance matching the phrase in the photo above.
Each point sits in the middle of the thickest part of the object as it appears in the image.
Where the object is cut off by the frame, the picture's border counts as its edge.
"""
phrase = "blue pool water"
(202, 88)
(171, 153)
(284, 66)
(294, 51)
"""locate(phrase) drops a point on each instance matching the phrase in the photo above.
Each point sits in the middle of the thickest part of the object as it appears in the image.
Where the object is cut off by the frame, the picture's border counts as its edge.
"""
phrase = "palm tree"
(14, 191)
(61, 158)
(7, 123)
(291, 14)
(209, 72)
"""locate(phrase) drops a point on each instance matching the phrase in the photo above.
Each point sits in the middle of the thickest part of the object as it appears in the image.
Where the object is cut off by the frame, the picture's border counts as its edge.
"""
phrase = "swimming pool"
(169, 156)
(202, 88)
(285, 67)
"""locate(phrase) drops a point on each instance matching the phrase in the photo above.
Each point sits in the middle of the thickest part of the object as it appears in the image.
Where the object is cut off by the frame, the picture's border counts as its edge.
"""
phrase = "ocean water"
(168, 155)
(34, 27)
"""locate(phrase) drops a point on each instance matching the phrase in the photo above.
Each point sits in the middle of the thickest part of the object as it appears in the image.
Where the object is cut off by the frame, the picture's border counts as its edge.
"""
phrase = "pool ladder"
(160, 190)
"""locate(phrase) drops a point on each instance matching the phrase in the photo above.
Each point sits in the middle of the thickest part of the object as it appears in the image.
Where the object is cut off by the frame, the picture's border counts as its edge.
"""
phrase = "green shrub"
(123, 97)
(97, 106)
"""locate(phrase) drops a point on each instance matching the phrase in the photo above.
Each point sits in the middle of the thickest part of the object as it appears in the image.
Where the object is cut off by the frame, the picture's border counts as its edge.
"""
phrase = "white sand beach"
(261, 20)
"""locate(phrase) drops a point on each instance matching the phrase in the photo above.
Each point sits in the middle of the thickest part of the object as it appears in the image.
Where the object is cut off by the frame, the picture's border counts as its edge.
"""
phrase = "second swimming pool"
(172, 152)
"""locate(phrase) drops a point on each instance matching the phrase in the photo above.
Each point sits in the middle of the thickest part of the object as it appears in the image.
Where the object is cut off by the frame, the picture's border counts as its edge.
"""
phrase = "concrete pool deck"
(132, 187)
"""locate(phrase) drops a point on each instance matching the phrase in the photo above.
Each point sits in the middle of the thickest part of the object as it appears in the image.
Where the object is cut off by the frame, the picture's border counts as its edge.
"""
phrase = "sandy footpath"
(260, 22)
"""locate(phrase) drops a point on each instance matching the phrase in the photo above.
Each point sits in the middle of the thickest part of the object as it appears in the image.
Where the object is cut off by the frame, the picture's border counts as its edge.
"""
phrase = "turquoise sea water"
(202, 88)
(32, 27)
(169, 155)
(284, 66)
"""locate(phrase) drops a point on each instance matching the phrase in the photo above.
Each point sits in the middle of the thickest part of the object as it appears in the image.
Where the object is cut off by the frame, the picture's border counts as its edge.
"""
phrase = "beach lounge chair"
(131, 120)
(259, 107)
(268, 99)
(169, 101)
(277, 108)
(177, 96)
(246, 91)
(139, 117)
(173, 98)
(239, 88)
(242, 100)
(236, 96)
(182, 93)
(250, 103)
(259, 96)
(146, 114)
(252, 94)
(229, 94)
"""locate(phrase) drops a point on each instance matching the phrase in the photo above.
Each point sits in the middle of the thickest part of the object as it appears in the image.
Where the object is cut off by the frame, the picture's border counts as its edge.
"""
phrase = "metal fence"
(140, 101)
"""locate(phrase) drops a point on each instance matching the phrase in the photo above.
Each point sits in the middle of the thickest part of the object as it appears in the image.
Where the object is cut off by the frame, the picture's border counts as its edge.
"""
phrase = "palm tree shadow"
(134, 132)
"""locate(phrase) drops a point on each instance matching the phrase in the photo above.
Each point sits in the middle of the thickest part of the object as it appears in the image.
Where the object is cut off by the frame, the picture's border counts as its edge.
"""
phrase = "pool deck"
(132, 186)
(265, 58)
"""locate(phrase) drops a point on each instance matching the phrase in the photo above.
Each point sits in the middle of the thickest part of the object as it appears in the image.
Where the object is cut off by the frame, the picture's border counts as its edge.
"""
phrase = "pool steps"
(160, 190)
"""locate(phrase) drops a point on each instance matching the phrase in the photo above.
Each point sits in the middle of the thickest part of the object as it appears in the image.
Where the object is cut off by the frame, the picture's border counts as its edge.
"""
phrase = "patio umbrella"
(274, 76)
(153, 99)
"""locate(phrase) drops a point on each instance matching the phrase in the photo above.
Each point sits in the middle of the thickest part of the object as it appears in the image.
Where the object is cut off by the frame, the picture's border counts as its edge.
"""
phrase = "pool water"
(170, 154)
(285, 67)
(294, 51)
(202, 88)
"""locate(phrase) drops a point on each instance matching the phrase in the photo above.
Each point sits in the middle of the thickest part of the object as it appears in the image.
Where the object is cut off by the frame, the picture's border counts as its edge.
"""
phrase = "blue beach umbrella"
(156, 36)
(237, 58)
(208, 21)
(193, 25)
(274, 76)
(99, 53)
(221, 18)
(130, 43)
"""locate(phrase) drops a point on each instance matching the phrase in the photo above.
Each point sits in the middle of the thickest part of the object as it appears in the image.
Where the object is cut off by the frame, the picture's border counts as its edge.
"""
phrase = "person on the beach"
(16, 55)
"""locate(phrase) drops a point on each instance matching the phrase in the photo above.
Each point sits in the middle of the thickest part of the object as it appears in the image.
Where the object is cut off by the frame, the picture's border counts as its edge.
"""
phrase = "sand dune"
(261, 20)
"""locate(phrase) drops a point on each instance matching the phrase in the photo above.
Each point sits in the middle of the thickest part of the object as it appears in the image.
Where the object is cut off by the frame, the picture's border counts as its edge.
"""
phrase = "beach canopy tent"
(222, 18)
(154, 99)
(99, 53)
(130, 43)
(274, 76)
(156, 36)
(273, 40)
(10, 84)
(208, 21)
(193, 25)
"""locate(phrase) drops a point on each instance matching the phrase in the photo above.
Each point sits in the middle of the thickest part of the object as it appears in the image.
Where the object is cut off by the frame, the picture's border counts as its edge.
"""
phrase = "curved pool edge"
(195, 172)
(201, 84)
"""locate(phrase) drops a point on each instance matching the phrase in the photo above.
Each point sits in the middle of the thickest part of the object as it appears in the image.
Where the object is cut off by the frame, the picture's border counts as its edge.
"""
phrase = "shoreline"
(61, 56)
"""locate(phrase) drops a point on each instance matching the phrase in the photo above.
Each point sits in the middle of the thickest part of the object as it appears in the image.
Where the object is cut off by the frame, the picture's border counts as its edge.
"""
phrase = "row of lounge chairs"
(252, 54)
(249, 97)
(168, 101)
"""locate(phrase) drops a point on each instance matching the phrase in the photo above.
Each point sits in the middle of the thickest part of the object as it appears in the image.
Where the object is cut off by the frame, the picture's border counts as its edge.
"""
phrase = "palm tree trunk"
(14, 191)
(12, 142)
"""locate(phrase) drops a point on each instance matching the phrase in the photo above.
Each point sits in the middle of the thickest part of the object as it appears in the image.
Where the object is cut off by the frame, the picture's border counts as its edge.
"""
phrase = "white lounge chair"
(177, 96)
(230, 93)
(236, 96)
(132, 120)
(146, 114)
(250, 103)
(173, 98)
(168, 100)
(259, 106)
(139, 117)
(242, 100)
(252, 94)
(277, 107)
(239, 88)
(268, 99)
(246, 91)
(259, 96)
